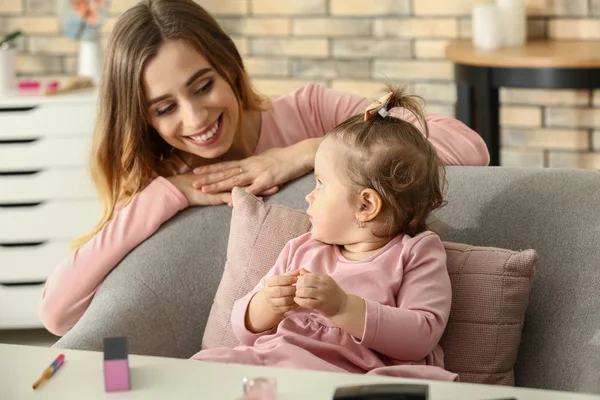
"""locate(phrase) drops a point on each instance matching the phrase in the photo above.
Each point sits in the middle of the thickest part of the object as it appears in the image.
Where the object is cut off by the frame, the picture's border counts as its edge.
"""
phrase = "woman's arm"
(456, 143)
(297, 123)
(70, 289)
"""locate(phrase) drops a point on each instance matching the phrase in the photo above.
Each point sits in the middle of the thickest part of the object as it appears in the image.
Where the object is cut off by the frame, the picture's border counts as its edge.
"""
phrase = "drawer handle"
(23, 244)
(18, 141)
(16, 109)
(20, 173)
(19, 284)
(17, 205)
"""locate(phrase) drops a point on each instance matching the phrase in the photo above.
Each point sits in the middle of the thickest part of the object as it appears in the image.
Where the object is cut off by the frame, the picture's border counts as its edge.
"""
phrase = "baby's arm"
(252, 316)
(411, 330)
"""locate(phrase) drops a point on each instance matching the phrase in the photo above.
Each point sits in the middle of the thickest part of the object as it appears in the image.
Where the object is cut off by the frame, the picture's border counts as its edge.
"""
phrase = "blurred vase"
(90, 60)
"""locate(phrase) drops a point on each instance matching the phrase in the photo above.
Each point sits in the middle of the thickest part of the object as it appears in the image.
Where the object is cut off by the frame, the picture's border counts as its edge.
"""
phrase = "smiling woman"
(195, 111)
(179, 125)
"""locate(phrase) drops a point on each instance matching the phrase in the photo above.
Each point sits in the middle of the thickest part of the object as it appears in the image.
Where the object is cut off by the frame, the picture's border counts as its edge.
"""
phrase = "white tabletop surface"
(81, 377)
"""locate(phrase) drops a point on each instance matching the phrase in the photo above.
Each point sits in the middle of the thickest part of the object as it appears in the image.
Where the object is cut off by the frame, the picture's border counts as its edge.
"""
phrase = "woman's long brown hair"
(126, 150)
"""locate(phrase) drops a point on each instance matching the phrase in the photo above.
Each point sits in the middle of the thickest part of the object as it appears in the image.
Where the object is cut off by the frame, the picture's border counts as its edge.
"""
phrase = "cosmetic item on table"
(513, 22)
(71, 85)
(259, 389)
(486, 26)
(116, 365)
(50, 371)
(34, 86)
(382, 392)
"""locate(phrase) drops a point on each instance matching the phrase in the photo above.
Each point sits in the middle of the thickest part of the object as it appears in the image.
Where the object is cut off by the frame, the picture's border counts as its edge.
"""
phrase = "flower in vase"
(85, 18)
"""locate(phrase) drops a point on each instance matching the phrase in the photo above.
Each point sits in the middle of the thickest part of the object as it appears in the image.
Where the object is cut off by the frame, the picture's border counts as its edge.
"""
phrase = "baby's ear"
(370, 204)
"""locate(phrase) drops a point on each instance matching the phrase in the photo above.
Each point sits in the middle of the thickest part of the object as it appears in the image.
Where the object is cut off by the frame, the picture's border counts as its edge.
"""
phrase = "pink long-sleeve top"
(309, 112)
(407, 293)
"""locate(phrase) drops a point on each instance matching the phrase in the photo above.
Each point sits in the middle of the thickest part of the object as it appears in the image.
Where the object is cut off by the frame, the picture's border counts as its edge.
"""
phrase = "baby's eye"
(319, 185)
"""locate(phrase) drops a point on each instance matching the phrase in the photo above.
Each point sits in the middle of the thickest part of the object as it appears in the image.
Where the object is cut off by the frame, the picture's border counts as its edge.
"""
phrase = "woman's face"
(191, 106)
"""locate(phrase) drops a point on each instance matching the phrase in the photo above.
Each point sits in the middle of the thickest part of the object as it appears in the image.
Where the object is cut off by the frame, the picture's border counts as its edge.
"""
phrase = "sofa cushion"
(490, 290)
(490, 293)
(257, 235)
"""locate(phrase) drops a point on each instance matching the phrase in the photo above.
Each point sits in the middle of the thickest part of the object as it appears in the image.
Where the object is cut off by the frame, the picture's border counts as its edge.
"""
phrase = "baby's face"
(331, 207)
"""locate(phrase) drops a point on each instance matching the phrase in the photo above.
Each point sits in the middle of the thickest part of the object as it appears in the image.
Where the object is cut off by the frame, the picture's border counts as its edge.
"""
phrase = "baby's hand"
(320, 293)
(279, 292)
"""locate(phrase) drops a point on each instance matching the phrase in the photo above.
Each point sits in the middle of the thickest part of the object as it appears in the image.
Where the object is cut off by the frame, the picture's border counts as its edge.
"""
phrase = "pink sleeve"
(70, 289)
(411, 330)
(328, 108)
(456, 143)
(238, 314)
(313, 110)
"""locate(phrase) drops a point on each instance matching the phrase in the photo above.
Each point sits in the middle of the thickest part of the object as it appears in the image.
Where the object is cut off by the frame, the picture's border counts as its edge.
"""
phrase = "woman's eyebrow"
(195, 76)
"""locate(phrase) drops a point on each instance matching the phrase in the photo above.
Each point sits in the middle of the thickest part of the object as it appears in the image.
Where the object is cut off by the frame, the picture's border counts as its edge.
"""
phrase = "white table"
(81, 377)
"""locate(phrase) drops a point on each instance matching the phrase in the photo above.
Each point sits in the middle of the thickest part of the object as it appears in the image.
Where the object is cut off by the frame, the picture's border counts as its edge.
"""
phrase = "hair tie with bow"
(378, 107)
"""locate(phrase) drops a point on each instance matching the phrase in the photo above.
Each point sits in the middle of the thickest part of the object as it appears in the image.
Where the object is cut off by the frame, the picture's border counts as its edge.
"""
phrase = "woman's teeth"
(207, 135)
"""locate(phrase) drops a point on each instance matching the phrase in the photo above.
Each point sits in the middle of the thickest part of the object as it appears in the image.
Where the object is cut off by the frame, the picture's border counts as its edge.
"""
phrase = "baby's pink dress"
(407, 293)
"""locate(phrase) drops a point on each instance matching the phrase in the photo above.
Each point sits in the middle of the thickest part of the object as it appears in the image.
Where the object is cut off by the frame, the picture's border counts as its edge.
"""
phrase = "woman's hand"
(320, 293)
(195, 197)
(261, 174)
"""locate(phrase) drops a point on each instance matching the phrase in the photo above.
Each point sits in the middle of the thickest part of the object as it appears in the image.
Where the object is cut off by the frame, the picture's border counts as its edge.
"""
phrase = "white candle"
(486, 26)
(513, 22)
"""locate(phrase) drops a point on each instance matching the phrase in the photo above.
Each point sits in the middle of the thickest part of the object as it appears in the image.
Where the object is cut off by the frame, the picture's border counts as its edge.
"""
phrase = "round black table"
(540, 64)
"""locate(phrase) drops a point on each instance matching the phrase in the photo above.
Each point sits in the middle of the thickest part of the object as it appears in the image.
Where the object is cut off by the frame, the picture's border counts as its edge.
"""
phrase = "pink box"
(116, 375)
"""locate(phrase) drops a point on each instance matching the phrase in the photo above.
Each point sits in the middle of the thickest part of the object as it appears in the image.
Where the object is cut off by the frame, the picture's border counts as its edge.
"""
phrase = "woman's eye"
(205, 88)
(165, 110)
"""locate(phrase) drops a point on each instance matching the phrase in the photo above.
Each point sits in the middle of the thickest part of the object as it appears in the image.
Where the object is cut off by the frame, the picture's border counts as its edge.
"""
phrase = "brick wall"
(354, 45)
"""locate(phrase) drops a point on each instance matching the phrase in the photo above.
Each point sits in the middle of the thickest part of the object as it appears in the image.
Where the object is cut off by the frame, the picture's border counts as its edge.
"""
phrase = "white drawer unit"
(44, 153)
(31, 118)
(46, 197)
(32, 262)
(50, 184)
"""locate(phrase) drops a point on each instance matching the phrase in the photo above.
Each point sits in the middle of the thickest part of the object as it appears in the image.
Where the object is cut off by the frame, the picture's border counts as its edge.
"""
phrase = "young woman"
(179, 125)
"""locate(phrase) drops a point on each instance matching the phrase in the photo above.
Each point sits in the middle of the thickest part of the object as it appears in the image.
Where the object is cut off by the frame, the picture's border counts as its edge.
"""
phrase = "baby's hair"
(393, 157)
